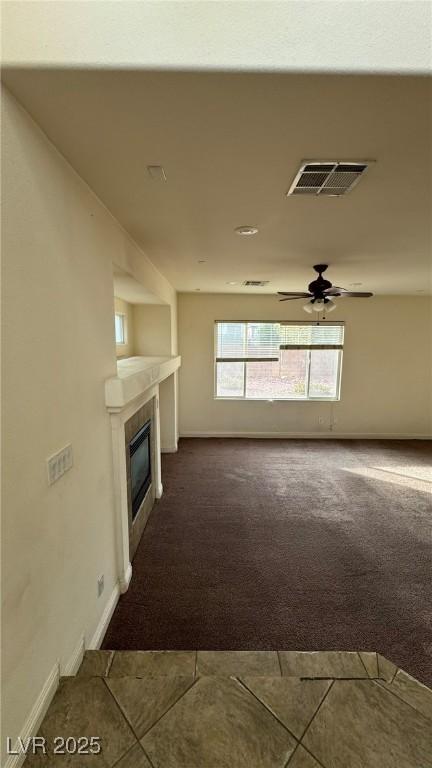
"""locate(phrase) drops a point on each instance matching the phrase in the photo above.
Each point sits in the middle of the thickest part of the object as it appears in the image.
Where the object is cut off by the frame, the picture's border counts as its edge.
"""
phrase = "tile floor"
(240, 709)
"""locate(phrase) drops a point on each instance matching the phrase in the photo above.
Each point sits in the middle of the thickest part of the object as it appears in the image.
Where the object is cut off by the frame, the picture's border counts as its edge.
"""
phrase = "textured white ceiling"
(230, 145)
(302, 35)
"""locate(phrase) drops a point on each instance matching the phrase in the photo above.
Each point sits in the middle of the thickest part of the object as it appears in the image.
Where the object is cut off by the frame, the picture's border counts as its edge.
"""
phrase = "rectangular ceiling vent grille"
(256, 283)
(331, 179)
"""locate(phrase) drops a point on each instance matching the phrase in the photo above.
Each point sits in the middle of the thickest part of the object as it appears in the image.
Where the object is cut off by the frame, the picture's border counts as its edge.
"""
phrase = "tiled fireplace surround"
(132, 398)
(121, 427)
(131, 427)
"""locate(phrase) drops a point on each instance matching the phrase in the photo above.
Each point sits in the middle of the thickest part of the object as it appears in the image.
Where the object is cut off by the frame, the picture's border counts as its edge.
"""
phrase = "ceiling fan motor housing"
(318, 286)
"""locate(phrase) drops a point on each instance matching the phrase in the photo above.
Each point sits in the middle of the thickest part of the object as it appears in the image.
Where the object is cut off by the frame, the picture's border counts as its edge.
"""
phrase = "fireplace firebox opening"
(140, 466)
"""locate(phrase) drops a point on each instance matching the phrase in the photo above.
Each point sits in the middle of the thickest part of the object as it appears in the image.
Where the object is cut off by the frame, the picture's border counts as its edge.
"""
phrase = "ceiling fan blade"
(297, 294)
(333, 291)
(356, 294)
(294, 298)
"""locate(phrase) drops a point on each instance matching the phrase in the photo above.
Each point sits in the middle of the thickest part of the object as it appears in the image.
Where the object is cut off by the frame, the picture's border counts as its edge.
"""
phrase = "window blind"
(311, 336)
(247, 341)
(258, 341)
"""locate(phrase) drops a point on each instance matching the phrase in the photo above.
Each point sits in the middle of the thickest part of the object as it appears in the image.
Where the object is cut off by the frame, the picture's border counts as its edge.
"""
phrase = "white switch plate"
(59, 463)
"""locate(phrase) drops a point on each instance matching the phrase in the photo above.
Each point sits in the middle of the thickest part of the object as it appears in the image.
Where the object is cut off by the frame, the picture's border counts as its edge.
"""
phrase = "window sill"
(280, 399)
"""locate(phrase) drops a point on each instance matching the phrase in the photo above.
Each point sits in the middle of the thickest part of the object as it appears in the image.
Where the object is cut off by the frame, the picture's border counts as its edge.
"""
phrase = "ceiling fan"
(321, 293)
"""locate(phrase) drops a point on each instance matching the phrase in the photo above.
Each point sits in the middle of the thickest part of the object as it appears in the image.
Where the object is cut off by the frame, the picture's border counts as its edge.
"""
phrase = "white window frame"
(124, 328)
(305, 399)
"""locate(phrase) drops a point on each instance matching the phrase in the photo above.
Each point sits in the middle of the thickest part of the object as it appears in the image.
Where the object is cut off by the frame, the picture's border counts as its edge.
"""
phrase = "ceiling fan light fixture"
(318, 305)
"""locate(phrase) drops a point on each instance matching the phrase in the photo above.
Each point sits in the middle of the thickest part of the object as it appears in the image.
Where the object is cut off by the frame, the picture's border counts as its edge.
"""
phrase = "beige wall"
(155, 333)
(126, 309)
(152, 330)
(59, 243)
(386, 376)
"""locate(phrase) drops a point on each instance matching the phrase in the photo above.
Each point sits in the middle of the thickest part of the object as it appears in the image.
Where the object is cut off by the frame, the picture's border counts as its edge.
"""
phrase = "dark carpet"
(287, 544)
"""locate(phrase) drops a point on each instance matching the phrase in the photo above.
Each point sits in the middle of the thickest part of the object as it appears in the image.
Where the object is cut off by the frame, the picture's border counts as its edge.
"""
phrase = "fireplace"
(140, 466)
(132, 399)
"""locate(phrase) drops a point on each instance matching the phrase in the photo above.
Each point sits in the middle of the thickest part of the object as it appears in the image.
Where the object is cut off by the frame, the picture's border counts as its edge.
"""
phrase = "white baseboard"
(39, 709)
(169, 447)
(37, 714)
(313, 435)
(73, 664)
(98, 636)
(125, 579)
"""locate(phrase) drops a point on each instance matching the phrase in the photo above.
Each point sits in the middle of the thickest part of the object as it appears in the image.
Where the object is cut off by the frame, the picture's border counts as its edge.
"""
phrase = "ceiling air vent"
(256, 283)
(327, 178)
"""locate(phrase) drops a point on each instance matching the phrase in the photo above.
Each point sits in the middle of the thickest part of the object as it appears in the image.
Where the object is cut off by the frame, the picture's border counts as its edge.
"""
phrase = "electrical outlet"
(321, 420)
(100, 584)
(59, 463)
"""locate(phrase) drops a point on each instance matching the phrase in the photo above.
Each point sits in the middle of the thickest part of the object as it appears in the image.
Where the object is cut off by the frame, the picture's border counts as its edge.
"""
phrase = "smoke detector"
(256, 283)
(330, 178)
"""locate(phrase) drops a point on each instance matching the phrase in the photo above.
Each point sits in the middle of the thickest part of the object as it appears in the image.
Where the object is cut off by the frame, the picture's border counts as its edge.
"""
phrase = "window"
(278, 361)
(120, 328)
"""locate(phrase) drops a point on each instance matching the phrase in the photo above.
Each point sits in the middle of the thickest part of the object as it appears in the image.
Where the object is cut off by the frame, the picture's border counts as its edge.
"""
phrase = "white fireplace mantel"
(137, 382)
(134, 376)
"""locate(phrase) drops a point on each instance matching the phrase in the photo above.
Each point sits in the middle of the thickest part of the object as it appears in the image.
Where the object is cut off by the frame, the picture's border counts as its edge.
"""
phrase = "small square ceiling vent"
(331, 179)
(256, 283)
